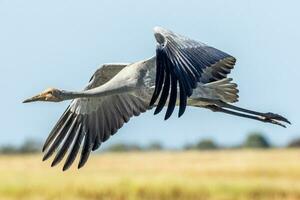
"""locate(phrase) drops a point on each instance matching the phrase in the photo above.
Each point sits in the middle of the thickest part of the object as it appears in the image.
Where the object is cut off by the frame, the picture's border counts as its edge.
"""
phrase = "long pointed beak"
(33, 99)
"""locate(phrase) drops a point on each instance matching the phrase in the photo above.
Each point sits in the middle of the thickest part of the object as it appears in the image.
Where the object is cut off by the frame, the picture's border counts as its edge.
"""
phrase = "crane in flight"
(183, 73)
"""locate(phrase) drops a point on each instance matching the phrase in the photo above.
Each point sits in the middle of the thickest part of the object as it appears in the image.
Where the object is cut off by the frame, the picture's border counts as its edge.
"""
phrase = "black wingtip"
(153, 100)
(67, 164)
(56, 160)
(156, 111)
(65, 168)
(180, 113)
(46, 156)
(182, 108)
(44, 147)
(84, 157)
(81, 163)
(183, 100)
(54, 163)
(167, 117)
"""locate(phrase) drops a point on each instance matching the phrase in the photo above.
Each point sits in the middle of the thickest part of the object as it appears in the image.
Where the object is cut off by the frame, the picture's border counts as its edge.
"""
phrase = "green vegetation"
(256, 140)
(28, 147)
(253, 140)
(120, 147)
(205, 144)
(124, 147)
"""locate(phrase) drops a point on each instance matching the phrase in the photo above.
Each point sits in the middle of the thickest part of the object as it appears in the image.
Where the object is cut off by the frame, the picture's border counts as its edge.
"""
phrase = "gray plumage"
(183, 72)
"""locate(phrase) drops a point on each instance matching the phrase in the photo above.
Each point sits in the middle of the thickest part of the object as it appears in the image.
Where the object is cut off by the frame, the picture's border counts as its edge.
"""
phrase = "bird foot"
(278, 117)
(275, 119)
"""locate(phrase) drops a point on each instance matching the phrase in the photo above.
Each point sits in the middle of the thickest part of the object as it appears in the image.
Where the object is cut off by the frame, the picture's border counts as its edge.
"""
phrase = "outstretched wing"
(91, 121)
(104, 74)
(182, 62)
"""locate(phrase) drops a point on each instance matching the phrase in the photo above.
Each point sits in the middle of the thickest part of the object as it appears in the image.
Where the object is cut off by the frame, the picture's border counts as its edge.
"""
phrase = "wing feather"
(58, 126)
(60, 136)
(184, 62)
(75, 148)
(164, 94)
(88, 122)
(70, 136)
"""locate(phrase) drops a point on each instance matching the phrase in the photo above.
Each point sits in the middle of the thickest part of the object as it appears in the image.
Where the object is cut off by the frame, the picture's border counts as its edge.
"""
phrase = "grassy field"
(220, 175)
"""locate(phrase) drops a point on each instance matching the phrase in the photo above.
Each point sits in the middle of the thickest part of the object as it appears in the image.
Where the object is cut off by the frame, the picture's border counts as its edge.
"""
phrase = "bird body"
(138, 79)
(182, 73)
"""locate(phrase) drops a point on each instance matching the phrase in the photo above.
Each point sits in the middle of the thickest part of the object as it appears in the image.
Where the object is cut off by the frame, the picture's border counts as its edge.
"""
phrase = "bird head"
(51, 94)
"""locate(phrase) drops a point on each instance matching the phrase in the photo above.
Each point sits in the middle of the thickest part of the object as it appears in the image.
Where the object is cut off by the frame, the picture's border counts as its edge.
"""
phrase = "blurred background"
(202, 155)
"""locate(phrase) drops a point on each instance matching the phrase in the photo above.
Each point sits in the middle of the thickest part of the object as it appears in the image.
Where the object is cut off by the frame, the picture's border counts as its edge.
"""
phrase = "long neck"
(121, 83)
(101, 91)
(72, 94)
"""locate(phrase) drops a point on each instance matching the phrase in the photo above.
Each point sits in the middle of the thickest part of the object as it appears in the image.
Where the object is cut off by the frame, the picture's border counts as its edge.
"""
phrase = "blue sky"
(61, 43)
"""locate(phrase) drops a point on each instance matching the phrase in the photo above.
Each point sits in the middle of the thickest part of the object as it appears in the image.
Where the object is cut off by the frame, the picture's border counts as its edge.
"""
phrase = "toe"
(276, 117)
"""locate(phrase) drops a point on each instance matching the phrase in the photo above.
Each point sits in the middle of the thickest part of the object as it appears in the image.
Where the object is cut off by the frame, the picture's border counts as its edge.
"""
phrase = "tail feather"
(226, 90)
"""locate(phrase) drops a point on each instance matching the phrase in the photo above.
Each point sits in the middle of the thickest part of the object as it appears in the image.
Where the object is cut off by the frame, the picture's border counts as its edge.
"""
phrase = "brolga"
(183, 73)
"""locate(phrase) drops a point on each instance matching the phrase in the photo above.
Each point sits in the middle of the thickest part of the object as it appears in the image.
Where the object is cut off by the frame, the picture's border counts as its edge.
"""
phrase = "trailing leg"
(267, 115)
(261, 118)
